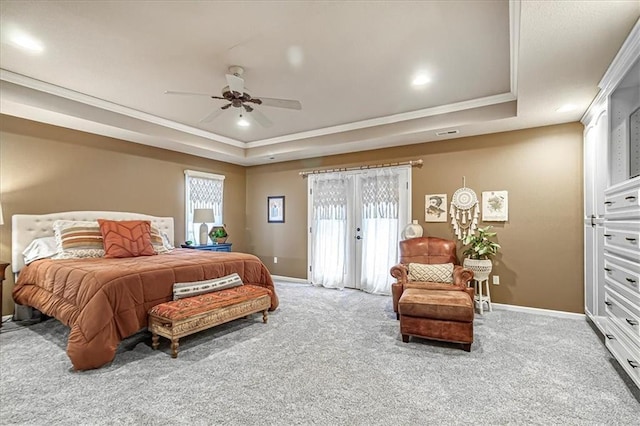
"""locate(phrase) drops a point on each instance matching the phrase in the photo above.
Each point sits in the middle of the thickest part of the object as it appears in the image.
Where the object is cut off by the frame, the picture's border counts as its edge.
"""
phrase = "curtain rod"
(412, 163)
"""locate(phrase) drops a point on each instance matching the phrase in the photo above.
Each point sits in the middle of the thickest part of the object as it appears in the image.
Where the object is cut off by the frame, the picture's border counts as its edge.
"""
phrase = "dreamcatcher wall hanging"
(464, 211)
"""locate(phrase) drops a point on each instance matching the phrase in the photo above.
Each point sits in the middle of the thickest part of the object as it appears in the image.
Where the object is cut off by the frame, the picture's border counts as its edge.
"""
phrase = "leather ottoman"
(437, 314)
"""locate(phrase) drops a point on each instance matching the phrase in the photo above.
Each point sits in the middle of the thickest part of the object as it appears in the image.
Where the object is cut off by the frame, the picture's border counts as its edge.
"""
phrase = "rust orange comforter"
(107, 300)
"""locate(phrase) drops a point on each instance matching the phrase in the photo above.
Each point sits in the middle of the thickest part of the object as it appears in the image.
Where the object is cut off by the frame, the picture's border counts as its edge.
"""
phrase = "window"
(202, 191)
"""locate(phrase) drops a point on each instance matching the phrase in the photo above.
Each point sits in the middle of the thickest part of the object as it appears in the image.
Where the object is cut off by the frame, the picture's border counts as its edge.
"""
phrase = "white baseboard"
(290, 279)
(6, 318)
(501, 306)
(538, 311)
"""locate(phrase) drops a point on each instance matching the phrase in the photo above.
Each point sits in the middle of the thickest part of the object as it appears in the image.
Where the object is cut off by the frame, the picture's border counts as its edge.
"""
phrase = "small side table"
(209, 247)
(3, 266)
(480, 299)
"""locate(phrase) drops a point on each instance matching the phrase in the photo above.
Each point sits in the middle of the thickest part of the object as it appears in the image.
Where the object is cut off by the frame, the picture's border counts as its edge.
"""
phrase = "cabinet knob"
(631, 322)
(608, 203)
(630, 239)
(630, 280)
(607, 269)
(630, 198)
(632, 363)
(608, 235)
(609, 336)
(606, 302)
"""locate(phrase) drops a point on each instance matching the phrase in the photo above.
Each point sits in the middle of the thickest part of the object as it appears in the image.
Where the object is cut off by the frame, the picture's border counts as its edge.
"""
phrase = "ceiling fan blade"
(236, 84)
(173, 92)
(259, 118)
(279, 103)
(212, 115)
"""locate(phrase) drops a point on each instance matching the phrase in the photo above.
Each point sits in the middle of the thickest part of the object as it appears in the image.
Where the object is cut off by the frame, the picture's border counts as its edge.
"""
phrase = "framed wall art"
(495, 206)
(435, 208)
(275, 209)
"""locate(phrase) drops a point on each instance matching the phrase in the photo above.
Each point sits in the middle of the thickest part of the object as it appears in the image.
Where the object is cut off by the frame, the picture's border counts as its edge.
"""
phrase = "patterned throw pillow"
(77, 239)
(160, 241)
(126, 238)
(439, 273)
(182, 290)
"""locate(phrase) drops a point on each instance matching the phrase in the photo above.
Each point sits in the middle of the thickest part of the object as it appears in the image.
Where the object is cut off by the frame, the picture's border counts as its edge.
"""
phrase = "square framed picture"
(275, 209)
(435, 208)
(495, 206)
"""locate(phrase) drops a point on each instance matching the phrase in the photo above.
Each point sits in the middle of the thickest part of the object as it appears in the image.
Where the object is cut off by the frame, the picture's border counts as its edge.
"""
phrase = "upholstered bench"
(437, 314)
(179, 318)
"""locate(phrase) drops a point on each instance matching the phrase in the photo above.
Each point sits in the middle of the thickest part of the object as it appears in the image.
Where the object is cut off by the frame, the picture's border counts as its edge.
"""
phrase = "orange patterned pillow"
(126, 238)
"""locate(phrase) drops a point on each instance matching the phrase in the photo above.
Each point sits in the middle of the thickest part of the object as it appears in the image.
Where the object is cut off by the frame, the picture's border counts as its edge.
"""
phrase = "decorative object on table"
(435, 208)
(218, 234)
(495, 206)
(479, 249)
(412, 230)
(275, 209)
(464, 211)
(203, 216)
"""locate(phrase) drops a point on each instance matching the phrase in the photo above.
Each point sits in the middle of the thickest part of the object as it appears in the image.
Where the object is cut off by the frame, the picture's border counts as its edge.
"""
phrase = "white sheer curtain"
(330, 252)
(380, 226)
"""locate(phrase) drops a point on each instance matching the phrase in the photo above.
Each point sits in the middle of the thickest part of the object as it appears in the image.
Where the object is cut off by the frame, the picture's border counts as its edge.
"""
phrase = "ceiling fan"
(235, 94)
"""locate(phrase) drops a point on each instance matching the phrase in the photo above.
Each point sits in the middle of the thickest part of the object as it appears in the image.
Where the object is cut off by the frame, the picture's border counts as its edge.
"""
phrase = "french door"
(355, 221)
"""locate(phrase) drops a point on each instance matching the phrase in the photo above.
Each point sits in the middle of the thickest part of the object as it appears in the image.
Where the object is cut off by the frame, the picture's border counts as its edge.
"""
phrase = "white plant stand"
(480, 298)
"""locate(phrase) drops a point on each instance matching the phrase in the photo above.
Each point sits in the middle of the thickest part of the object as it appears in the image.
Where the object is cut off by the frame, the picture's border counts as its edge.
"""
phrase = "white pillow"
(437, 272)
(40, 248)
(182, 290)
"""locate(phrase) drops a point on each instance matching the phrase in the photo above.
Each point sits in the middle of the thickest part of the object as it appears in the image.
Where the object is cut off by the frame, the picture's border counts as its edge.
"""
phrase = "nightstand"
(3, 266)
(209, 247)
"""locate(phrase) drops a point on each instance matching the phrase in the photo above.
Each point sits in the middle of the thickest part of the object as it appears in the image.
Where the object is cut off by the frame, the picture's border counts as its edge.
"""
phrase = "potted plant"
(479, 250)
(218, 234)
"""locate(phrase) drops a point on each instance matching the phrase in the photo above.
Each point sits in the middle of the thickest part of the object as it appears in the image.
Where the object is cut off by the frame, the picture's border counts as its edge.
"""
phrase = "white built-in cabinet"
(612, 207)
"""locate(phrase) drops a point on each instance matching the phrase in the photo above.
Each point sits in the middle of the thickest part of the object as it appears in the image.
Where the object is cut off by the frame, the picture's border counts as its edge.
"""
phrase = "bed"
(104, 300)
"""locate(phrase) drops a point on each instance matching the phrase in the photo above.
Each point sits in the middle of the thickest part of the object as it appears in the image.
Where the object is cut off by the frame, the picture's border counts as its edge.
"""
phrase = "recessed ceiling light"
(242, 122)
(567, 108)
(26, 42)
(420, 80)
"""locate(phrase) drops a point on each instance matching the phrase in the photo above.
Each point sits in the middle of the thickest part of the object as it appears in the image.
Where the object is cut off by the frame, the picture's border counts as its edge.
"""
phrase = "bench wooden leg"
(174, 348)
(155, 341)
(265, 316)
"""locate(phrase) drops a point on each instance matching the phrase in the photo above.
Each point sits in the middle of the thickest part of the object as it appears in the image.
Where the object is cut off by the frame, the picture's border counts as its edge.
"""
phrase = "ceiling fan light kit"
(235, 94)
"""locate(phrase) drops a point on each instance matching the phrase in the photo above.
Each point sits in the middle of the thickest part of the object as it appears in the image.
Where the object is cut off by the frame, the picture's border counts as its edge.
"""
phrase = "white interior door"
(355, 222)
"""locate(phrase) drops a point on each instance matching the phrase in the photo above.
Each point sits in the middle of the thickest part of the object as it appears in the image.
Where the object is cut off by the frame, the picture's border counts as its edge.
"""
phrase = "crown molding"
(52, 89)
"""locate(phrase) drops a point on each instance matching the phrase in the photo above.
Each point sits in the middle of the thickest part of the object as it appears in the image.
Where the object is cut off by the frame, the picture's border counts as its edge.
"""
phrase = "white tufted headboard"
(27, 227)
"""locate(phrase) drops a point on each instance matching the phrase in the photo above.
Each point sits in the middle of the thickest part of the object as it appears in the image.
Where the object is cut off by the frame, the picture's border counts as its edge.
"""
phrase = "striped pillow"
(438, 273)
(182, 290)
(77, 239)
(159, 241)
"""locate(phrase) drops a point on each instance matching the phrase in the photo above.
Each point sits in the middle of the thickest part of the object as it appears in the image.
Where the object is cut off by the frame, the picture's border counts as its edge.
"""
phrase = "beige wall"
(540, 264)
(46, 169)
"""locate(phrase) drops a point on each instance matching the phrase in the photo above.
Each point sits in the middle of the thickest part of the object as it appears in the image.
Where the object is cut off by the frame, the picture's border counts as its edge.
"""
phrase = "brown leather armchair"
(431, 309)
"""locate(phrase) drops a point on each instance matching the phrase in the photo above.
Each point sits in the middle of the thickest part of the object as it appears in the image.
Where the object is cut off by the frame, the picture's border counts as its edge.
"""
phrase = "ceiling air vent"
(447, 133)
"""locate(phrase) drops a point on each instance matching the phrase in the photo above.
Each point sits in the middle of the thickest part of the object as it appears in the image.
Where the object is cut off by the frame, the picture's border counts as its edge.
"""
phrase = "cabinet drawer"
(622, 273)
(623, 201)
(623, 238)
(623, 314)
(625, 351)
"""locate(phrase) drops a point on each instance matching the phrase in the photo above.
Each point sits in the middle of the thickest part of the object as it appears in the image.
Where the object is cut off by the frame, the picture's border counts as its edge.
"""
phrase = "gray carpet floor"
(326, 357)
